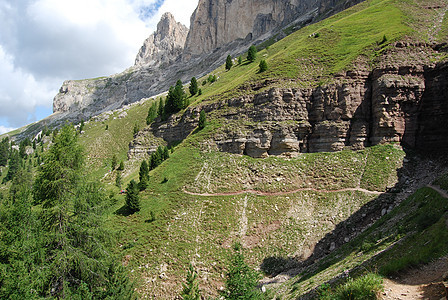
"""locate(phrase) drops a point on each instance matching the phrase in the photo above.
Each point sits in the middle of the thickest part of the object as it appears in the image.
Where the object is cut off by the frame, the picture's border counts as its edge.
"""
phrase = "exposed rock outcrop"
(165, 45)
(219, 22)
(405, 103)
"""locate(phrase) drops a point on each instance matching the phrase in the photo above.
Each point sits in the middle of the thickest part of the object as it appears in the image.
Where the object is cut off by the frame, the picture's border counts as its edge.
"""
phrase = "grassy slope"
(201, 229)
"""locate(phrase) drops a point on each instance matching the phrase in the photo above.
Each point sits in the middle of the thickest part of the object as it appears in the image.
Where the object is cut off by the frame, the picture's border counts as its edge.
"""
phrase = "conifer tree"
(263, 66)
(121, 166)
(241, 280)
(4, 151)
(81, 126)
(229, 63)
(202, 119)
(240, 60)
(132, 197)
(166, 153)
(190, 288)
(114, 162)
(252, 53)
(78, 261)
(14, 164)
(193, 86)
(143, 176)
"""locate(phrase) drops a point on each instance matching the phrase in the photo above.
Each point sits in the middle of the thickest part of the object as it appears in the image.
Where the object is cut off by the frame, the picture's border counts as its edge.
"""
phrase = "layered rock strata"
(403, 104)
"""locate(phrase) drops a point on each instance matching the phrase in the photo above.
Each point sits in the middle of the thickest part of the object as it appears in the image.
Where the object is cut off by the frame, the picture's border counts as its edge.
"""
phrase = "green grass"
(310, 61)
(361, 288)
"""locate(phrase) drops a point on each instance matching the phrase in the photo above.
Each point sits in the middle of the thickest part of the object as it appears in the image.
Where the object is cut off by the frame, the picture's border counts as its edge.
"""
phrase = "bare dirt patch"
(421, 283)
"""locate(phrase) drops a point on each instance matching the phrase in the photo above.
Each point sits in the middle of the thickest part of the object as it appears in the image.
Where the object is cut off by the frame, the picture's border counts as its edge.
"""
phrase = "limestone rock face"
(216, 23)
(164, 45)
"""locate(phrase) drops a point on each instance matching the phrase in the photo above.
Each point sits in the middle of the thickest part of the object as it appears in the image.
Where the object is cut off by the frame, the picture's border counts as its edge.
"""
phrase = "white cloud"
(44, 42)
(4, 129)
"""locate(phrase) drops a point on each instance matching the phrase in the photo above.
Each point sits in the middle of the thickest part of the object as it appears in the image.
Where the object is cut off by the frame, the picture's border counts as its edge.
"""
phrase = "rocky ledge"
(406, 104)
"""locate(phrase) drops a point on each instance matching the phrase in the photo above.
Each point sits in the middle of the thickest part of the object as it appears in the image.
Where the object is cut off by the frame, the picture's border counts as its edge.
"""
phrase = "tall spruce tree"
(143, 176)
(193, 86)
(229, 62)
(78, 262)
(252, 53)
(4, 151)
(202, 119)
(132, 197)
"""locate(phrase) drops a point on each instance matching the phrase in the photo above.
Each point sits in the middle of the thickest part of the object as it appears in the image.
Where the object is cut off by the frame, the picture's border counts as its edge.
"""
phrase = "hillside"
(330, 164)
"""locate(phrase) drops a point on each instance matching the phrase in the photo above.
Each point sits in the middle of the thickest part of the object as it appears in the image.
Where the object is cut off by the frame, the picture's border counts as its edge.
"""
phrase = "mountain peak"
(165, 44)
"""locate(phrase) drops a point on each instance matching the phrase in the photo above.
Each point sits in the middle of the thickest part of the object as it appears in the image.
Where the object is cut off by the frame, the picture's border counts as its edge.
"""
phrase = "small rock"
(332, 246)
(383, 212)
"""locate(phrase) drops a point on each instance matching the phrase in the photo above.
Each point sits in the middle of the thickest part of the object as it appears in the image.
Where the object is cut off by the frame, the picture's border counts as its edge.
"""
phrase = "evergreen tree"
(166, 153)
(121, 166)
(241, 281)
(113, 162)
(79, 263)
(202, 119)
(263, 66)
(132, 197)
(193, 86)
(240, 60)
(161, 108)
(252, 53)
(4, 151)
(143, 176)
(81, 127)
(118, 180)
(152, 113)
(34, 144)
(190, 289)
(229, 63)
(14, 164)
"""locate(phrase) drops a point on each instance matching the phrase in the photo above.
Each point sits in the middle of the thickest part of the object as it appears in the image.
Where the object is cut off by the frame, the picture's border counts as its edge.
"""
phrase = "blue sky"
(44, 42)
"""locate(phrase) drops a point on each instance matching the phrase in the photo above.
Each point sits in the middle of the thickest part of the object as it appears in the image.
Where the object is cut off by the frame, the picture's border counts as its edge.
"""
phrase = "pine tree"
(263, 66)
(229, 63)
(121, 166)
(161, 108)
(193, 86)
(4, 151)
(241, 281)
(136, 129)
(166, 153)
(113, 162)
(202, 119)
(190, 289)
(152, 113)
(77, 258)
(240, 60)
(118, 180)
(81, 126)
(14, 164)
(252, 53)
(132, 197)
(143, 176)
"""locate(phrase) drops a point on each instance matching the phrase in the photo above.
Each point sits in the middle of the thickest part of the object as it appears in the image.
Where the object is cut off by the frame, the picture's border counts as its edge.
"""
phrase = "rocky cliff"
(404, 103)
(216, 23)
(218, 28)
(165, 45)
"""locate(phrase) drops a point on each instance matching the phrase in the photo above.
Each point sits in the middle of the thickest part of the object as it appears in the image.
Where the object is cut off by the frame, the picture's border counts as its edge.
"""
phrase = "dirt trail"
(422, 283)
(442, 193)
(259, 193)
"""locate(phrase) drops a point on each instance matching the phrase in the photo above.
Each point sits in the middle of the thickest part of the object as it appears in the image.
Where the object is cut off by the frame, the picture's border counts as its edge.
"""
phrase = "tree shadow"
(123, 211)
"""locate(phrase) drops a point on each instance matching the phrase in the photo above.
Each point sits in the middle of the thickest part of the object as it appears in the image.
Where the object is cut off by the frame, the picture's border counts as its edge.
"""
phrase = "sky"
(44, 42)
